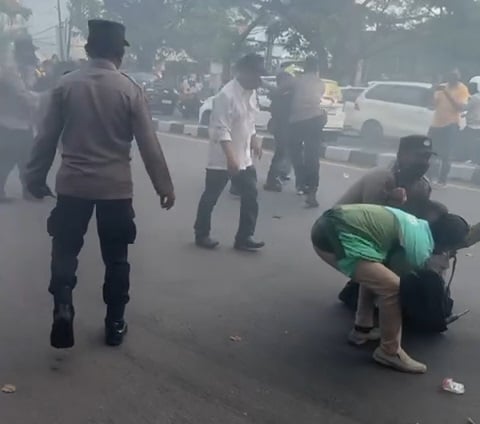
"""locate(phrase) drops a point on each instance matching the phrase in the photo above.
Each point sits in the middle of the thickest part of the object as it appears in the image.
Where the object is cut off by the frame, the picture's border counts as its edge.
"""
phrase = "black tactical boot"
(62, 336)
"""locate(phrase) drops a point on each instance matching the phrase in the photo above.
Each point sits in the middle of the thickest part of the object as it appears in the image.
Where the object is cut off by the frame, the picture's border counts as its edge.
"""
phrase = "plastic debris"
(346, 176)
(9, 389)
(236, 339)
(469, 255)
(451, 386)
(277, 217)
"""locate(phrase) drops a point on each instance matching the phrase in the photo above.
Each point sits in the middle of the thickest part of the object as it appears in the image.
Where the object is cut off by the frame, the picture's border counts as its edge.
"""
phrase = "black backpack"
(427, 305)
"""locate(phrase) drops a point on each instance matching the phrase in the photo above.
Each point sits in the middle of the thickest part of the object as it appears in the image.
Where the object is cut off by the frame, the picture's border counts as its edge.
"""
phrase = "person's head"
(24, 51)
(453, 77)
(474, 86)
(106, 40)
(449, 232)
(311, 65)
(284, 80)
(249, 70)
(414, 154)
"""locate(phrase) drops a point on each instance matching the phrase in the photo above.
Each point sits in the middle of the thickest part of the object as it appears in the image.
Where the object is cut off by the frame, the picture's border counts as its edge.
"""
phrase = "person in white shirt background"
(471, 133)
(232, 142)
(307, 121)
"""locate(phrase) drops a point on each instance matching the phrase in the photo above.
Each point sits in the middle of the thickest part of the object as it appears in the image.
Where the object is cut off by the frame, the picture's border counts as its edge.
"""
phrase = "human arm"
(473, 237)
(459, 101)
(45, 146)
(151, 151)
(221, 130)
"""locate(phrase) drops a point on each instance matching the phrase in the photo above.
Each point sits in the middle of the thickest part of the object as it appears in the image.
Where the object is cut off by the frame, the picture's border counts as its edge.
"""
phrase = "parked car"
(161, 98)
(332, 102)
(350, 94)
(390, 110)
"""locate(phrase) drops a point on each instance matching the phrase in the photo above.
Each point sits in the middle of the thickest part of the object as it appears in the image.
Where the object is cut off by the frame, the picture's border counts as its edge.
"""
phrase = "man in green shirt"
(357, 240)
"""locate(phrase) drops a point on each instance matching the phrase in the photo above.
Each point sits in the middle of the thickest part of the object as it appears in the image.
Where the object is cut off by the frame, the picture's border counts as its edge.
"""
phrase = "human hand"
(399, 196)
(167, 200)
(256, 147)
(233, 167)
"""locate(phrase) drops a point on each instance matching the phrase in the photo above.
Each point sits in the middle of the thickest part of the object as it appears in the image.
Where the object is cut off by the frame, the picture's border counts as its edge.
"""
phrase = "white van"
(391, 110)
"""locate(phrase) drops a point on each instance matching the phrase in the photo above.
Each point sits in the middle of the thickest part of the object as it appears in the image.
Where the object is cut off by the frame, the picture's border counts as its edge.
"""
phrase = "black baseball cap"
(106, 33)
(420, 144)
(252, 62)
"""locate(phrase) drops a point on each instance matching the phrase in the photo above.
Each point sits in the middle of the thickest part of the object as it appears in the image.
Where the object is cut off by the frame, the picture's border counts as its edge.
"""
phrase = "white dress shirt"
(232, 120)
(473, 112)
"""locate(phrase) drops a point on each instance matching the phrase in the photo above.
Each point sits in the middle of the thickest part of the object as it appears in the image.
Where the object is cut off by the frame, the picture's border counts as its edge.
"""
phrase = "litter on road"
(9, 389)
(451, 386)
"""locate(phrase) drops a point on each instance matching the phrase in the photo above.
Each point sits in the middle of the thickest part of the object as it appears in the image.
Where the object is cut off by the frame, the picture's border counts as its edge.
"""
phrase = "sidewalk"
(356, 156)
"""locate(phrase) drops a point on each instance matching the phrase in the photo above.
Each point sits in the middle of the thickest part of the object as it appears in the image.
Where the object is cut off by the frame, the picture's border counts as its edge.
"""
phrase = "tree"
(82, 10)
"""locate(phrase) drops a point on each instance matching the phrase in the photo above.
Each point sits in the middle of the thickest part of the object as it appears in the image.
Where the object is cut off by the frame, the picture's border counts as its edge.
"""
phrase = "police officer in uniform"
(96, 112)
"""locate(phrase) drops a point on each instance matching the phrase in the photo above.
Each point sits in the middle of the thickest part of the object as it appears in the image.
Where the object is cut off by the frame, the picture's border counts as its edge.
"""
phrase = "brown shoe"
(400, 362)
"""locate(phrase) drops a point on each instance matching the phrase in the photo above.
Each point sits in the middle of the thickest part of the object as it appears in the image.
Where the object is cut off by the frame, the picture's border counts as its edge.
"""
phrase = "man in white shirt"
(471, 133)
(307, 120)
(232, 142)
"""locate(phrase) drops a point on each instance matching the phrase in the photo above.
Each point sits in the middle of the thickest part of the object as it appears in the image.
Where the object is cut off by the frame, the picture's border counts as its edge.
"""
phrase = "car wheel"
(372, 132)
(205, 120)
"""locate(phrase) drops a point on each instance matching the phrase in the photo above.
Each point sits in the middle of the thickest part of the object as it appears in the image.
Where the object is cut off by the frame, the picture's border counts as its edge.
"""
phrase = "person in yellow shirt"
(450, 100)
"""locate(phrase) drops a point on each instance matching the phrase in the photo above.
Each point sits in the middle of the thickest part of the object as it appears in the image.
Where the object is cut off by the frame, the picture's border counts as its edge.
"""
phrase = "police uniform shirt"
(96, 112)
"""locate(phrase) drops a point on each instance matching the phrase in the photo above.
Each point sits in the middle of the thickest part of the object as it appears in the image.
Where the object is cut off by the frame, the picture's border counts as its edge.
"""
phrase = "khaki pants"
(376, 281)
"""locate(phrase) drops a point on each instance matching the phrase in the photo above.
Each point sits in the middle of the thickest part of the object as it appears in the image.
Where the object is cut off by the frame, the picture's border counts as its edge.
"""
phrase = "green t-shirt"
(371, 222)
(373, 233)
(358, 232)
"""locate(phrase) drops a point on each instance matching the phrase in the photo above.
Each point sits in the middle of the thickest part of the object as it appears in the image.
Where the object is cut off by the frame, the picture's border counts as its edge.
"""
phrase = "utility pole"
(61, 39)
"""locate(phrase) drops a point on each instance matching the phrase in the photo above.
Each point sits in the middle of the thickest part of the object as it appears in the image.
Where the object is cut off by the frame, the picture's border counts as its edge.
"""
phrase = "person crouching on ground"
(357, 240)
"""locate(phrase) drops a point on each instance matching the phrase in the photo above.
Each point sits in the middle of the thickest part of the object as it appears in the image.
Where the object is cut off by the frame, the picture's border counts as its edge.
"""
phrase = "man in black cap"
(96, 111)
(404, 185)
(232, 141)
(18, 107)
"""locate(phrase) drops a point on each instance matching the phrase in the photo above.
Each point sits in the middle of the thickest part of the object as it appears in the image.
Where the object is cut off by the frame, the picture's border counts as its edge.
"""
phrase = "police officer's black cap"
(252, 62)
(420, 144)
(106, 33)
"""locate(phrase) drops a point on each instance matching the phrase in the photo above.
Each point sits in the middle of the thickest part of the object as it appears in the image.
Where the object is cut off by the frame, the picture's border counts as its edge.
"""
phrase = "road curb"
(349, 155)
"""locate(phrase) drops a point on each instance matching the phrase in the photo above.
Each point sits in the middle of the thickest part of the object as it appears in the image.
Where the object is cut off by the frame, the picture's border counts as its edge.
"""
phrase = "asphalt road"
(178, 364)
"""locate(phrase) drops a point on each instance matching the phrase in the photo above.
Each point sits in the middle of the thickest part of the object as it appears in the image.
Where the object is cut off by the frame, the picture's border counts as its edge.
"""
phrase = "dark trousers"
(215, 182)
(305, 143)
(15, 146)
(280, 157)
(471, 143)
(444, 138)
(67, 226)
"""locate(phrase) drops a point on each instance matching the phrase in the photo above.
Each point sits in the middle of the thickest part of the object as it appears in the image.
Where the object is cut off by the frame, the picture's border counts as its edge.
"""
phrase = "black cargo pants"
(67, 226)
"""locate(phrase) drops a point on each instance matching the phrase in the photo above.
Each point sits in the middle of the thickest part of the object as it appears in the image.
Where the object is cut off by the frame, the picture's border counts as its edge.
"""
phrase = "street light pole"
(61, 46)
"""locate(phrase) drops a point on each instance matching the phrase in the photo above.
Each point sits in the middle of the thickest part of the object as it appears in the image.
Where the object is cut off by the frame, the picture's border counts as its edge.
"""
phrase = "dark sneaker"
(206, 243)
(249, 245)
(311, 200)
(275, 187)
(62, 336)
(115, 331)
